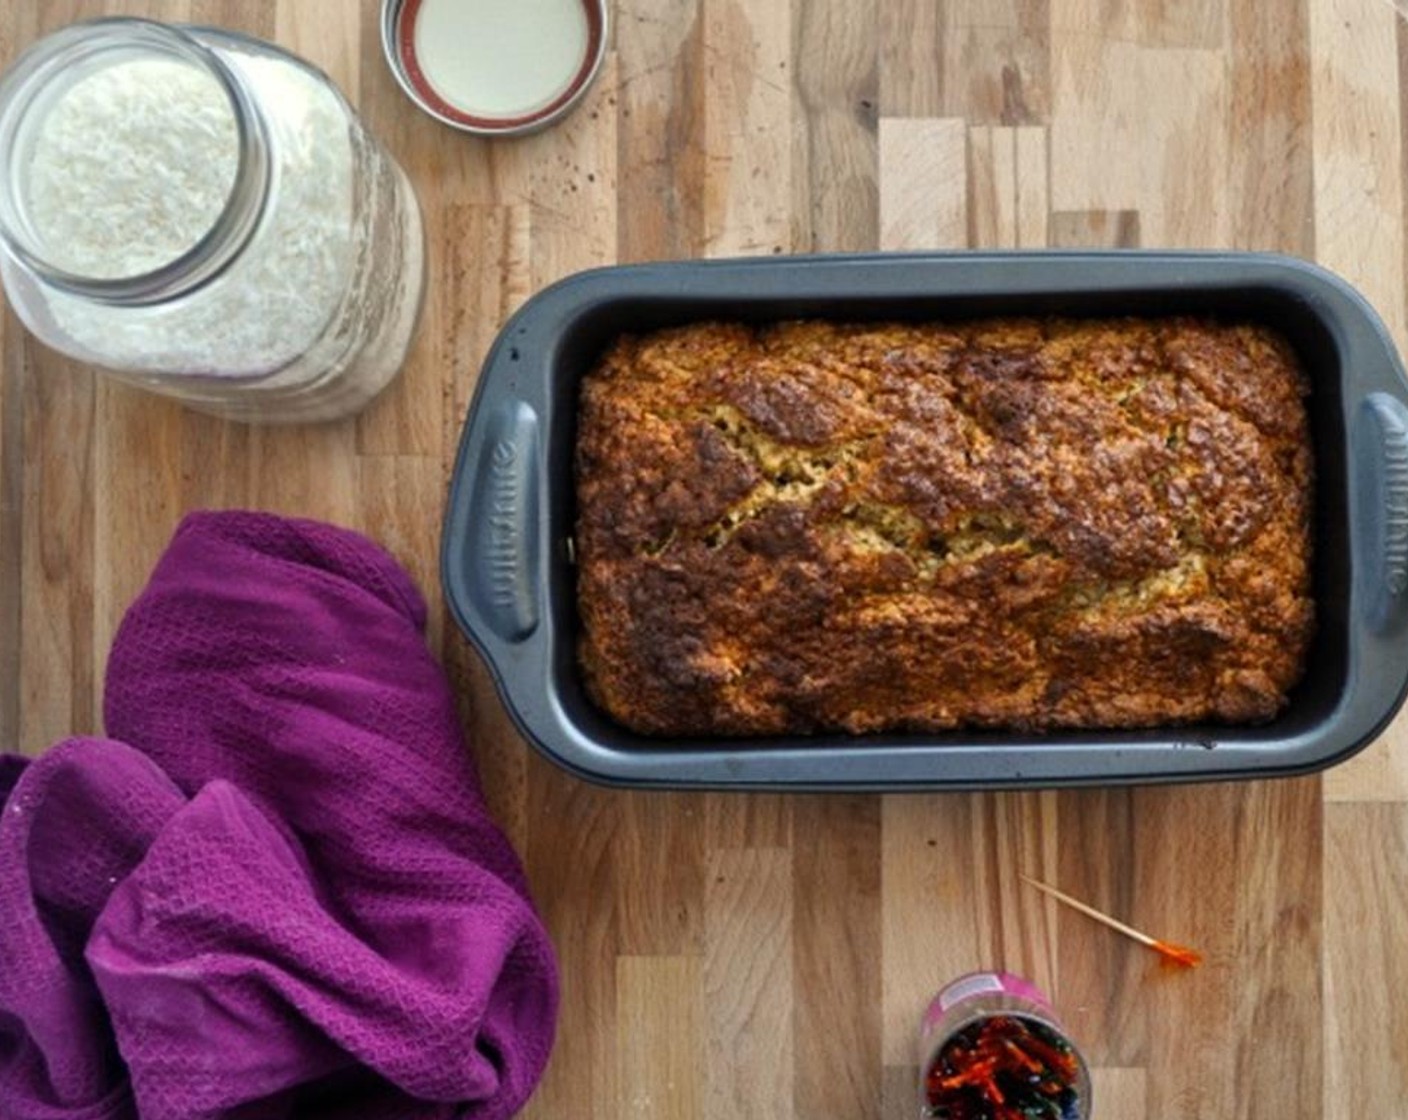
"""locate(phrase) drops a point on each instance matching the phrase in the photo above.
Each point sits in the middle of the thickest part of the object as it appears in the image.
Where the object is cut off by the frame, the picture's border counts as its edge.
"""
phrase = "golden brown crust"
(1012, 523)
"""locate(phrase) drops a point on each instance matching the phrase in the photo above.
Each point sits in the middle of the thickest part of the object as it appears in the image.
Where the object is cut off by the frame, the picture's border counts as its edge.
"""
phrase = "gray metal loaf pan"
(510, 583)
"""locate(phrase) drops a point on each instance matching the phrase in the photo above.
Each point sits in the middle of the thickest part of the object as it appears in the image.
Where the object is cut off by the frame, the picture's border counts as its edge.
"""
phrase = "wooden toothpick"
(1178, 955)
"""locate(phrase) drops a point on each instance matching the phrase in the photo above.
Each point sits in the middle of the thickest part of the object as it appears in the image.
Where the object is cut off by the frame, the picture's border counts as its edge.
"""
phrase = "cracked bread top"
(1010, 523)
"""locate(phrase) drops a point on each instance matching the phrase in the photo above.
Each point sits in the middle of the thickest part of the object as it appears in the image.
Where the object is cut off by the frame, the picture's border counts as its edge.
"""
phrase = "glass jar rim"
(232, 228)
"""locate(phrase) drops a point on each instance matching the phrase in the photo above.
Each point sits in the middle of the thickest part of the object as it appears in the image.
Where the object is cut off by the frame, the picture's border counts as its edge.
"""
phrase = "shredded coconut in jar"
(119, 183)
(149, 161)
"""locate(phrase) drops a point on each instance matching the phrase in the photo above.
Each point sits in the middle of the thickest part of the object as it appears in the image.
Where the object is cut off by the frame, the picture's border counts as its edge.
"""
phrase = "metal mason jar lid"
(494, 67)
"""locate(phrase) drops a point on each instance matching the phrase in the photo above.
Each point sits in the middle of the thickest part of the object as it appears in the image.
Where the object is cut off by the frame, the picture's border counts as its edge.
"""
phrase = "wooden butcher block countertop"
(768, 956)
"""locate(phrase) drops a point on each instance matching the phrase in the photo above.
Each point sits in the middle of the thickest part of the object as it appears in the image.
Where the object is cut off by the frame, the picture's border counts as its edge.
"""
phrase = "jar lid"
(494, 67)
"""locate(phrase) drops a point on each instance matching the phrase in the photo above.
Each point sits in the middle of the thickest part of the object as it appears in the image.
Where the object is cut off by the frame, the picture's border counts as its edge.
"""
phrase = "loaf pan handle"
(1382, 463)
(494, 555)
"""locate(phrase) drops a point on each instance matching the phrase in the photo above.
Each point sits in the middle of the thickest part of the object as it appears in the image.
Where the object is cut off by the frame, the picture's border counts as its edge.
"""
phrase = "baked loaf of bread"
(1012, 523)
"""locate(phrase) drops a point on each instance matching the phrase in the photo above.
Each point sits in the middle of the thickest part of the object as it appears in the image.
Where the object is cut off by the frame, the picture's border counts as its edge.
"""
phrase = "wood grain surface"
(734, 957)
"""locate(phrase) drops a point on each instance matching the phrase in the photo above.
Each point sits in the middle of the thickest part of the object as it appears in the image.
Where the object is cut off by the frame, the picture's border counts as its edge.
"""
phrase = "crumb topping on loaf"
(1015, 523)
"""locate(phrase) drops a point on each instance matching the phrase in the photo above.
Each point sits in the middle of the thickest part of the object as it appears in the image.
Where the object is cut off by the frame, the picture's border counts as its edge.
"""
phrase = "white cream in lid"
(497, 65)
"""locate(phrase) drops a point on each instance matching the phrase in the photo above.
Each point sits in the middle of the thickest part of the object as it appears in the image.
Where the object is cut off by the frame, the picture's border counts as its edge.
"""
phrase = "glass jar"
(953, 1025)
(202, 214)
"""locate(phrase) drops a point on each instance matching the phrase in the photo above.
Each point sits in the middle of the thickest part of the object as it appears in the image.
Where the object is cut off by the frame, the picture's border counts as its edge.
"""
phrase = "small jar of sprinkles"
(495, 67)
(202, 214)
(992, 1048)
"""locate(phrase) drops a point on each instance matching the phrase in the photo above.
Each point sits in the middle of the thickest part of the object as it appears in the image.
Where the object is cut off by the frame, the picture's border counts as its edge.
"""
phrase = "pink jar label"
(977, 984)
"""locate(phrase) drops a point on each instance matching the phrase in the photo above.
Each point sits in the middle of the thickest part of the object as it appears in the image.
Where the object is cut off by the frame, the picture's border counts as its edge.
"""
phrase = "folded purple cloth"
(276, 891)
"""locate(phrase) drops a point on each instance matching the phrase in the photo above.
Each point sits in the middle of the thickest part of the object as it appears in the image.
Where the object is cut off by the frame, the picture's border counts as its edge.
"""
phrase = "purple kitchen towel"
(276, 891)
